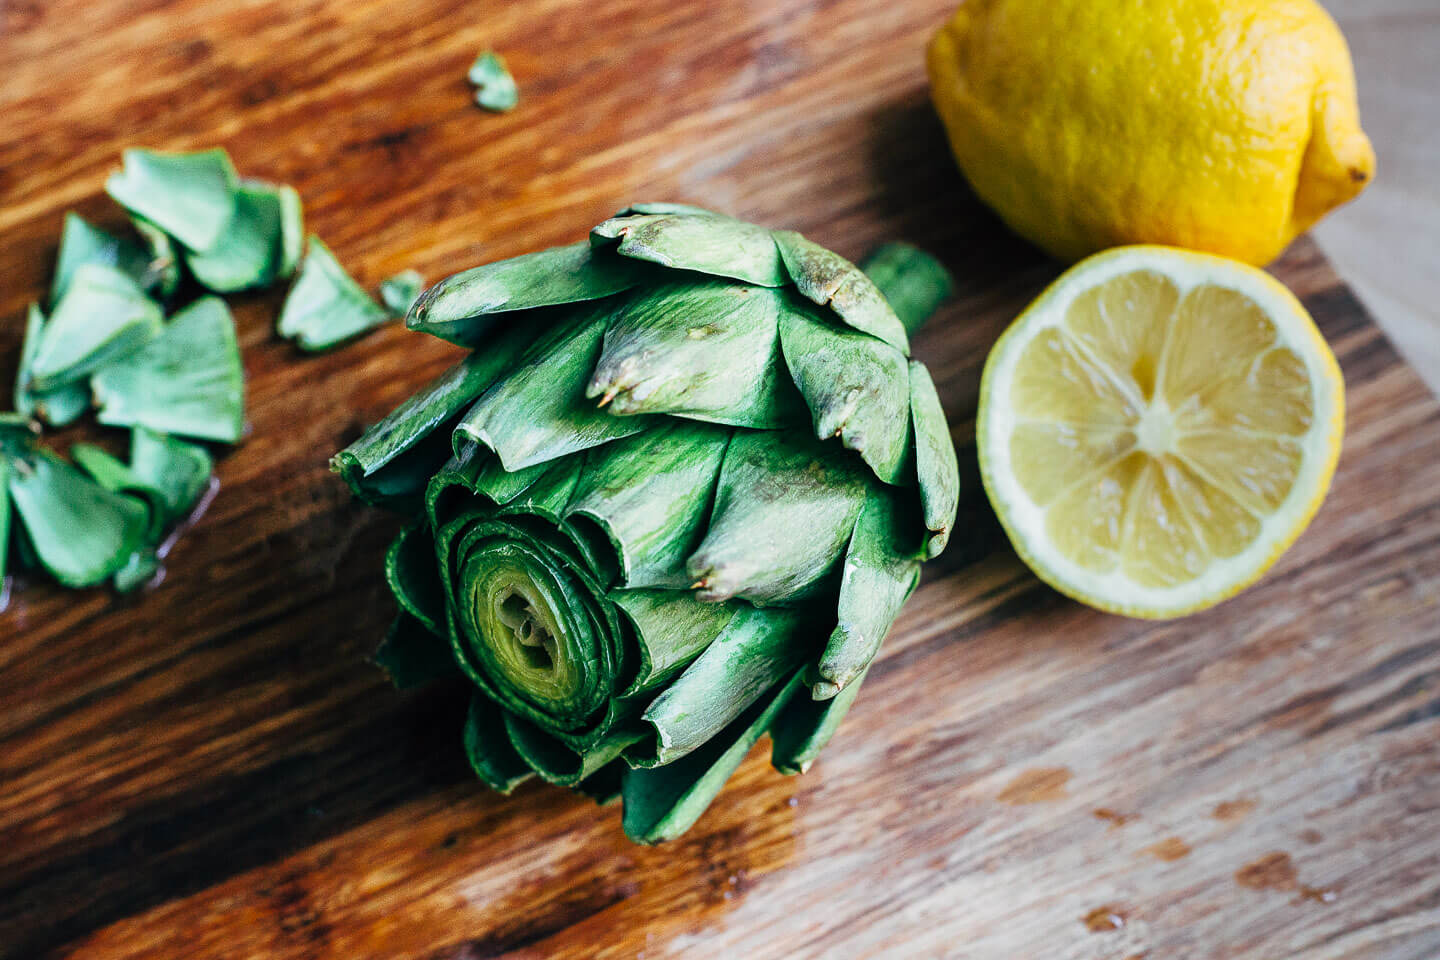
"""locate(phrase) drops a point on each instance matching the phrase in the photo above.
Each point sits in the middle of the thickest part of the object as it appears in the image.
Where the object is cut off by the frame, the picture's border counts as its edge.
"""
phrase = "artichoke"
(671, 502)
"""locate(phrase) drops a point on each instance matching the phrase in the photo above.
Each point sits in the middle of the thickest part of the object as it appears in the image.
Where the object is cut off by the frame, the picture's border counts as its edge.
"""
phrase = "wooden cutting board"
(213, 771)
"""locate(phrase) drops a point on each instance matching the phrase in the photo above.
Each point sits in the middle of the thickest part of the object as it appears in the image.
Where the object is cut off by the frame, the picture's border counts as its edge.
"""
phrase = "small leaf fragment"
(187, 381)
(179, 470)
(190, 196)
(325, 306)
(495, 87)
(251, 251)
(81, 532)
(103, 315)
(82, 243)
(58, 407)
(400, 292)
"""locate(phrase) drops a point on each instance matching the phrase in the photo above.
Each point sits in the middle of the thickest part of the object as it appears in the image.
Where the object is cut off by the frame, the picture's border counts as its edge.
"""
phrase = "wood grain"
(212, 771)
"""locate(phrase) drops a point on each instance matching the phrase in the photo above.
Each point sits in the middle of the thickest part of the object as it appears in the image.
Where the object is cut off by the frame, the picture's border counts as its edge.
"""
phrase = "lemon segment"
(1157, 428)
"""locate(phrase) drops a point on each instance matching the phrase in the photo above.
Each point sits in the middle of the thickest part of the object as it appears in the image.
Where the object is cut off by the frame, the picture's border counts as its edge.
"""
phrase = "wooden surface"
(212, 771)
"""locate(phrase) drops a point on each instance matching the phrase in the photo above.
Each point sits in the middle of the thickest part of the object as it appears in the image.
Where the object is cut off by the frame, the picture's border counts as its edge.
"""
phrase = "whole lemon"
(1228, 126)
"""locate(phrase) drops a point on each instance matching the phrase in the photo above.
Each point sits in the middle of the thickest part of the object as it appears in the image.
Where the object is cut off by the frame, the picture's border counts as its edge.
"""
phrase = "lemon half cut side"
(1157, 428)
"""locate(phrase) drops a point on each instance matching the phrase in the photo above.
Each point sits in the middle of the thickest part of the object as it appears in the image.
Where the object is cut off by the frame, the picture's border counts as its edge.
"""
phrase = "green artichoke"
(671, 502)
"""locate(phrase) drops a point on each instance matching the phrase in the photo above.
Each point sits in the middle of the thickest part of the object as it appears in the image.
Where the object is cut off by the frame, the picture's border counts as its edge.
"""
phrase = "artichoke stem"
(915, 283)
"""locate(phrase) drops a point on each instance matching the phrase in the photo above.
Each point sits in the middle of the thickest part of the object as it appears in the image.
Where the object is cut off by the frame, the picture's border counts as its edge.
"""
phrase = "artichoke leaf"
(187, 381)
(82, 243)
(663, 802)
(755, 651)
(81, 532)
(460, 308)
(495, 87)
(413, 656)
(857, 388)
(399, 292)
(325, 306)
(60, 406)
(704, 350)
(178, 470)
(397, 456)
(492, 757)
(881, 571)
(161, 276)
(103, 315)
(538, 412)
(410, 571)
(559, 764)
(915, 284)
(651, 494)
(784, 512)
(829, 280)
(250, 251)
(117, 477)
(689, 240)
(190, 196)
(936, 464)
(805, 726)
(671, 629)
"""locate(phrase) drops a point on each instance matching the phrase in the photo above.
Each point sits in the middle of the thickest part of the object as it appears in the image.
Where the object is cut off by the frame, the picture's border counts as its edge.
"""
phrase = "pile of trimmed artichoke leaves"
(199, 230)
(670, 503)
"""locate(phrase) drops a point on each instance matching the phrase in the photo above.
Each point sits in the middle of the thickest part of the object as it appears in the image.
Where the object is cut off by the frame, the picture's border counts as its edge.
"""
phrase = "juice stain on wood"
(1274, 871)
(1041, 785)
(1114, 817)
(1232, 810)
(1170, 849)
(1106, 919)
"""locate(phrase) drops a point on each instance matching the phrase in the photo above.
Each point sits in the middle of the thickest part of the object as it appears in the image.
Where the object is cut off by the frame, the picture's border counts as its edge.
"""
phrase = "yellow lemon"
(1228, 126)
(1157, 428)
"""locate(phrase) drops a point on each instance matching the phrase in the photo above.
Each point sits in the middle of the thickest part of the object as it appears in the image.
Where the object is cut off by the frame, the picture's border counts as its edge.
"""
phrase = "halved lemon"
(1157, 428)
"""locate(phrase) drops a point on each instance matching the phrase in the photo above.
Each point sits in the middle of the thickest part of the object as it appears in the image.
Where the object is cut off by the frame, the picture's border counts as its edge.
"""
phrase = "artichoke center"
(535, 642)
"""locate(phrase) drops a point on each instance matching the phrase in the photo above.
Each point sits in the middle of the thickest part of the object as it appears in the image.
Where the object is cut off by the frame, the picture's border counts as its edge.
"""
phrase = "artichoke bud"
(670, 504)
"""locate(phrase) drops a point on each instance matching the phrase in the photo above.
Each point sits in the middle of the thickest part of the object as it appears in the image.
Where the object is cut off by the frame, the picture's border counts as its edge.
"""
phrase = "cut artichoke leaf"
(663, 802)
(162, 262)
(252, 250)
(190, 196)
(412, 655)
(805, 726)
(60, 406)
(495, 87)
(857, 389)
(651, 495)
(326, 306)
(82, 243)
(430, 414)
(754, 652)
(187, 381)
(144, 567)
(829, 280)
(915, 284)
(103, 315)
(688, 240)
(936, 465)
(558, 764)
(503, 486)
(178, 470)
(410, 571)
(538, 412)
(784, 511)
(670, 629)
(117, 477)
(881, 571)
(459, 308)
(400, 292)
(492, 757)
(704, 350)
(81, 532)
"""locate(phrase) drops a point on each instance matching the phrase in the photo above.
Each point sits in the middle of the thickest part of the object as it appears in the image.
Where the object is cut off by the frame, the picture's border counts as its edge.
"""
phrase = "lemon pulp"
(1166, 425)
